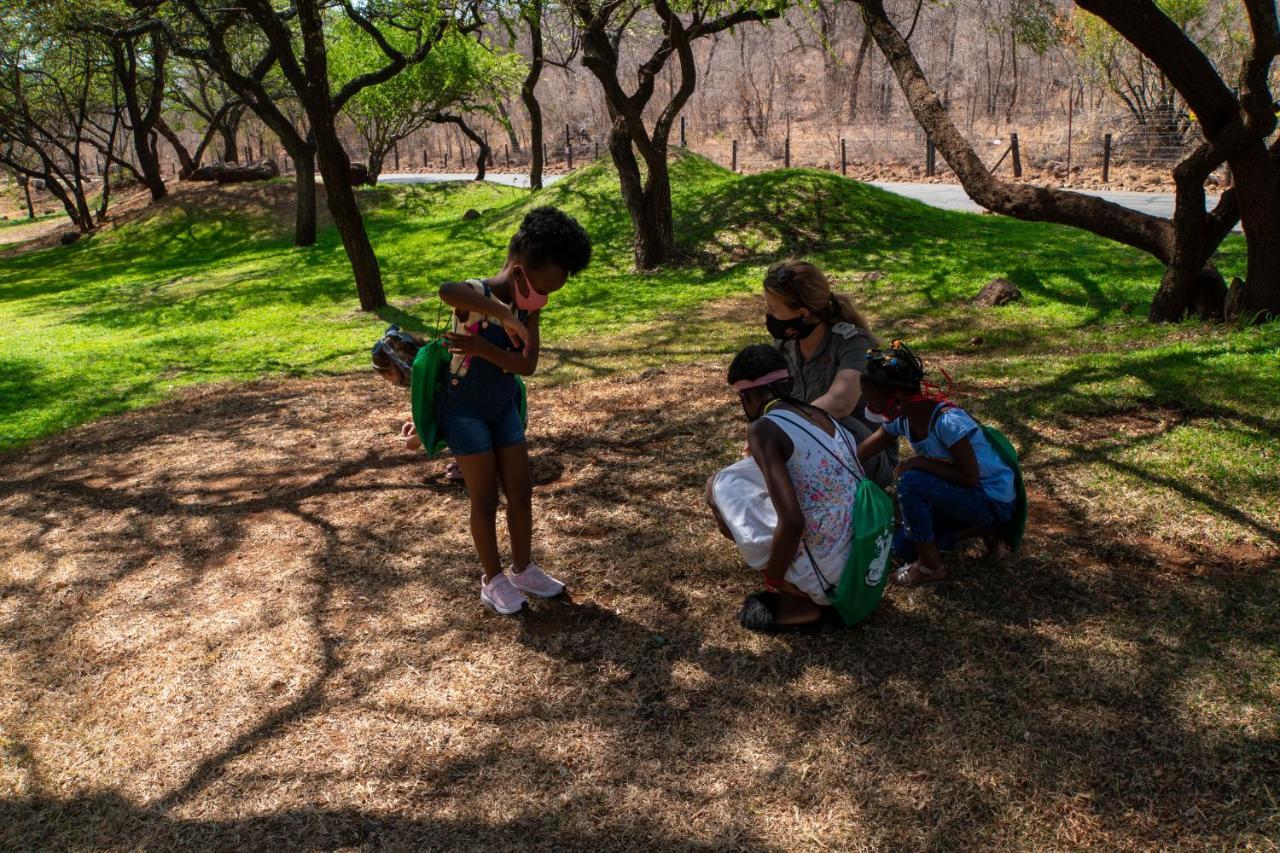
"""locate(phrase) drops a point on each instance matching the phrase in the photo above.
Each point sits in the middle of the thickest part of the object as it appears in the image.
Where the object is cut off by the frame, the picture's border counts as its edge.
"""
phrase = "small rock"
(873, 275)
(976, 342)
(999, 291)
(471, 214)
(69, 238)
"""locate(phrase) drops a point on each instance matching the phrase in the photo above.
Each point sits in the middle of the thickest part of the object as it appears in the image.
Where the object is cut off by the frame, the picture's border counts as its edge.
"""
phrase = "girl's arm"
(873, 444)
(843, 395)
(961, 470)
(771, 448)
(465, 298)
(522, 363)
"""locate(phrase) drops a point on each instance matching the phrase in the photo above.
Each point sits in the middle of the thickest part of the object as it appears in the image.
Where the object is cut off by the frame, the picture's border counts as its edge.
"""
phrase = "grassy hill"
(207, 287)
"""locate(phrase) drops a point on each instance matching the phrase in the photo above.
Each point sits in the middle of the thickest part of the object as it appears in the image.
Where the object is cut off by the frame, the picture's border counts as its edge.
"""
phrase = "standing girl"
(494, 337)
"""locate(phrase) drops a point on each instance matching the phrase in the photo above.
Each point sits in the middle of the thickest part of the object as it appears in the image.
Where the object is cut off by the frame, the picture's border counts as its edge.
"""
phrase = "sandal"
(917, 575)
(452, 473)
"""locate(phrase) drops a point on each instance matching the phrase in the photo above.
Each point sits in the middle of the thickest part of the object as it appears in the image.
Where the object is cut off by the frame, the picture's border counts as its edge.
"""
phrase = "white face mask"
(875, 417)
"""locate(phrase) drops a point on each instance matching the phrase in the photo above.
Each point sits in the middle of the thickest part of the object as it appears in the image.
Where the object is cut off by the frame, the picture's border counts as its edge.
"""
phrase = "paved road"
(952, 197)
(945, 196)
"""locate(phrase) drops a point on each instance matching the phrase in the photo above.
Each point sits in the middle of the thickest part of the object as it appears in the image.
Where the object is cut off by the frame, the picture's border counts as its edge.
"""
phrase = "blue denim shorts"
(477, 417)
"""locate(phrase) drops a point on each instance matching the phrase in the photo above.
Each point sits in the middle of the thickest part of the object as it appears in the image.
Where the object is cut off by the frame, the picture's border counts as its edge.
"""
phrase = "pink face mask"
(527, 299)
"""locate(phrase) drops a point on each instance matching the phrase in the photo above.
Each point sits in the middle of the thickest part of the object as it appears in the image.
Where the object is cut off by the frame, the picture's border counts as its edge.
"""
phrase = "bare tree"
(605, 25)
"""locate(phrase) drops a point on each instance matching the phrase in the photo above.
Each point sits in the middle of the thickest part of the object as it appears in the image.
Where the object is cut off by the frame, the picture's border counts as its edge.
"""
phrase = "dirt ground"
(248, 619)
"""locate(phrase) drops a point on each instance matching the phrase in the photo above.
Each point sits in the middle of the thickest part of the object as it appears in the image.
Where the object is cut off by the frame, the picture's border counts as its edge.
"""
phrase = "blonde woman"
(825, 339)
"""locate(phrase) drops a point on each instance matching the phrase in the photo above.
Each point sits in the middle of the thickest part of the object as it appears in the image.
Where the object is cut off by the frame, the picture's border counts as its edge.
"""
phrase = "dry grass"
(247, 619)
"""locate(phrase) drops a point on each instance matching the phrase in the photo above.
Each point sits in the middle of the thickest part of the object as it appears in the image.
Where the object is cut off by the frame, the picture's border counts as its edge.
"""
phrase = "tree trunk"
(856, 76)
(529, 95)
(230, 144)
(512, 138)
(26, 192)
(336, 171)
(142, 122)
(304, 227)
(376, 158)
(648, 201)
(1257, 186)
(481, 145)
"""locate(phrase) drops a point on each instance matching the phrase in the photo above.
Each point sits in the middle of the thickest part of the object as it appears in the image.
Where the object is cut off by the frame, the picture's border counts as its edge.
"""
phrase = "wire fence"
(1060, 143)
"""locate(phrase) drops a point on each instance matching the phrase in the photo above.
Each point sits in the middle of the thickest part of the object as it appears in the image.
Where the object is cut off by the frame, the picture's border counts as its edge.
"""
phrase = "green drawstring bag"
(1013, 532)
(426, 383)
(862, 584)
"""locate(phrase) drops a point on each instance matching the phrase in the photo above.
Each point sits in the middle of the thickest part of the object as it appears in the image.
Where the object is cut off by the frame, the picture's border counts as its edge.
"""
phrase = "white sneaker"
(535, 582)
(501, 595)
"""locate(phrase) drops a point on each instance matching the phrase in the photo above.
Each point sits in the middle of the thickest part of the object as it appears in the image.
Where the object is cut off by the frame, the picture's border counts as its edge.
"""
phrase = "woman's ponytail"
(803, 285)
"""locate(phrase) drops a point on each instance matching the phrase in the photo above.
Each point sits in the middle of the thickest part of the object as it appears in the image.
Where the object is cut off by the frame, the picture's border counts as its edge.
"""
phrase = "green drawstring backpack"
(1013, 532)
(865, 572)
(862, 585)
(426, 382)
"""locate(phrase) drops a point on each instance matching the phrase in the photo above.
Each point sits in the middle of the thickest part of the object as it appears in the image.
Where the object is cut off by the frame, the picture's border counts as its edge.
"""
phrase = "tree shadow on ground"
(275, 618)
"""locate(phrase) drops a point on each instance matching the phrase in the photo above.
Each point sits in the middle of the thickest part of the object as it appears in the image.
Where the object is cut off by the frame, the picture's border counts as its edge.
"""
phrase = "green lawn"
(198, 291)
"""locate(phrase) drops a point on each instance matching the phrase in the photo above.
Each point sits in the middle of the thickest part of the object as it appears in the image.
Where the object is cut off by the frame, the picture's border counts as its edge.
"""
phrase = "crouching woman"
(797, 526)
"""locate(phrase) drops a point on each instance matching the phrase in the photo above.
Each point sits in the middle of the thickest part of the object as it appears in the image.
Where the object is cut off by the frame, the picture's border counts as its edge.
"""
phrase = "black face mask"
(795, 329)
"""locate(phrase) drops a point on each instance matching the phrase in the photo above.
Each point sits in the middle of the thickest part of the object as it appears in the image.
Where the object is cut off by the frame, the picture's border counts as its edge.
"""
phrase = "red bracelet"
(769, 583)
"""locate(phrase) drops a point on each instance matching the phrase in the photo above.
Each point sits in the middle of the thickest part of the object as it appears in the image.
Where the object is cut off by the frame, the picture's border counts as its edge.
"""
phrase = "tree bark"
(142, 119)
(648, 200)
(529, 95)
(513, 139)
(1237, 128)
(335, 168)
(856, 76)
(304, 222)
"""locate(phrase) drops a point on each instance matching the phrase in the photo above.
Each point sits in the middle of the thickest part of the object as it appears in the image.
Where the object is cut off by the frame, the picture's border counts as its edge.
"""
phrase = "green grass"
(196, 293)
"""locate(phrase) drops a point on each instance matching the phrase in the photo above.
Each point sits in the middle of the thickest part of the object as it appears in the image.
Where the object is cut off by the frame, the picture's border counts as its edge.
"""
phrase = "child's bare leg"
(513, 470)
(482, 489)
(930, 557)
(710, 497)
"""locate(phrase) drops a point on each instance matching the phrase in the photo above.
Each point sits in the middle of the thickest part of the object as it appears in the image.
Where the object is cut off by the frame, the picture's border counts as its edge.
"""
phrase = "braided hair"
(897, 368)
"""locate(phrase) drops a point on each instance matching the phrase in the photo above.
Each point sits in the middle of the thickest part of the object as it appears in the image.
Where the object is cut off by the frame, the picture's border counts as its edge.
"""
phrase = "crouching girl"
(798, 528)
(955, 486)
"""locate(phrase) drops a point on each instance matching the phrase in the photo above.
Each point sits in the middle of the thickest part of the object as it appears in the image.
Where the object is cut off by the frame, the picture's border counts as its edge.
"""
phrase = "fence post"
(568, 147)
(506, 153)
(930, 158)
(546, 161)
(734, 166)
(786, 153)
(596, 148)
(684, 142)
(1106, 158)
(844, 159)
(1071, 109)
(395, 149)
(1017, 155)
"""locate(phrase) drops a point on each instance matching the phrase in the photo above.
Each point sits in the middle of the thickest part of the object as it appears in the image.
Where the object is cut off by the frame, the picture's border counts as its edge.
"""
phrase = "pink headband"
(767, 379)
